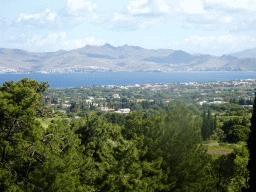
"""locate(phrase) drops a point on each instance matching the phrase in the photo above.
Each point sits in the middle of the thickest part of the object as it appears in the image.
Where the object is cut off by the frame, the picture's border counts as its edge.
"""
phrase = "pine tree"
(20, 132)
(61, 170)
(34, 159)
(117, 164)
(174, 135)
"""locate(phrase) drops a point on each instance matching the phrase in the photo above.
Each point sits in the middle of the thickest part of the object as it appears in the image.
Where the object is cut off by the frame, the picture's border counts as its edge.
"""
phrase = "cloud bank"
(236, 17)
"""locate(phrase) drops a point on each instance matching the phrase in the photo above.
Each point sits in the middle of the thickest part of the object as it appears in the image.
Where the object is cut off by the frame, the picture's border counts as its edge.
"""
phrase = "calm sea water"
(57, 80)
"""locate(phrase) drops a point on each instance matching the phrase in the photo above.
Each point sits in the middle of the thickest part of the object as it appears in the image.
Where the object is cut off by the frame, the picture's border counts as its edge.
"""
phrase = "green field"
(47, 121)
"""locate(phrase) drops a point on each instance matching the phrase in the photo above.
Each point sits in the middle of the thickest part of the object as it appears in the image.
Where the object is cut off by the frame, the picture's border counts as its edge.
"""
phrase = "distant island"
(123, 58)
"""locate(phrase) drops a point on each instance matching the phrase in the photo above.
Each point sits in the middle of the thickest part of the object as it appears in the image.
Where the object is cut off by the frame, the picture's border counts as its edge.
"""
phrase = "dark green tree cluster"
(236, 130)
(116, 118)
(251, 146)
(147, 153)
(241, 101)
(75, 107)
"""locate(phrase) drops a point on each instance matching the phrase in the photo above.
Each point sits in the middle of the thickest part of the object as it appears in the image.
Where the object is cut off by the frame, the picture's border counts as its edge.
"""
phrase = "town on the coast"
(127, 98)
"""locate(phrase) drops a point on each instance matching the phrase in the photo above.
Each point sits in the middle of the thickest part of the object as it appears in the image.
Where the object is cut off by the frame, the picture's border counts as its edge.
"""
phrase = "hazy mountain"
(247, 64)
(248, 53)
(121, 58)
(228, 57)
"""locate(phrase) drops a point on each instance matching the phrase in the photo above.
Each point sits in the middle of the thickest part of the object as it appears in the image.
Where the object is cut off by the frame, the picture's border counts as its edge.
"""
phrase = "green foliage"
(204, 128)
(60, 171)
(116, 162)
(230, 170)
(174, 136)
(159, 149)
(218, 135)
(115, 118)
(208, 129)
(238, 133)
(235, 130)
(20, 132)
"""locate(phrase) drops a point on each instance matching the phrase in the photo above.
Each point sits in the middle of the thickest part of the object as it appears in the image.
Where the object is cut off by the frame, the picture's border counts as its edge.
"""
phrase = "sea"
(61, 80)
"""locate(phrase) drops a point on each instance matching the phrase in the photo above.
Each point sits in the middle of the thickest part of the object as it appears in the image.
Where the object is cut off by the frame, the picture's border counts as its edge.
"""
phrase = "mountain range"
(121, 58)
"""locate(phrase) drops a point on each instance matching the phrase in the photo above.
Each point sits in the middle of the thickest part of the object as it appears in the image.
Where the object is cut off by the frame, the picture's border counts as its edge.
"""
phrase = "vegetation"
(158, 147)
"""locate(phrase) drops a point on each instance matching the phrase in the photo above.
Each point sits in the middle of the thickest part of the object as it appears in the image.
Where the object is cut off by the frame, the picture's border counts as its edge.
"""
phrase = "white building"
(201, 102)
(88, 101)
(65, 106)
(125, 110)
(116, 96)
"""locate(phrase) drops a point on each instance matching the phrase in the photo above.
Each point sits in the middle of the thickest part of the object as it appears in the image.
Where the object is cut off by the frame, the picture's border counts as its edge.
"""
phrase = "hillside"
(122, 58)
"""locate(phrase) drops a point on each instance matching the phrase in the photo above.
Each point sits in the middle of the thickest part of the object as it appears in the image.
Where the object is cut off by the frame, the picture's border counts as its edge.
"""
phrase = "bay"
(59, 80)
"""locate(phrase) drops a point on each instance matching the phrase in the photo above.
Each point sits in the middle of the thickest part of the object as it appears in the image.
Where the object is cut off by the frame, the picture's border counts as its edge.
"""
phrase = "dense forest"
(158, 146)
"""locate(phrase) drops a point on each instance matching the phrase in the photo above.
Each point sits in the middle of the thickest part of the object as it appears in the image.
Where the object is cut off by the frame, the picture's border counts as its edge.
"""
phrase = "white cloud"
(192, 7)
(138, 7)
(123, 21)
(135, 15)
(43, 18)
(230, 15)
(80, 7)
(50, 42)
(232, 4)
(162, 6)
(215, 45)
(77, 11)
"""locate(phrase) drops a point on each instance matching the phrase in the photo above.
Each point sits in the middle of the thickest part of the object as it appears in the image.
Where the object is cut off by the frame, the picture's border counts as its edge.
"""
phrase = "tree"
(235, 130)
(208, 126)
(238, 133)
(60, 171)
(230, 170)
(210, 123)
(218, 134)
(173, 135)
(204, 128)
(116, 163)
(20, 132)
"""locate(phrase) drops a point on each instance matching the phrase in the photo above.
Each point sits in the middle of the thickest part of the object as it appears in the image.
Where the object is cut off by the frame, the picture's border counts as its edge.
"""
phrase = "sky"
(214, 27)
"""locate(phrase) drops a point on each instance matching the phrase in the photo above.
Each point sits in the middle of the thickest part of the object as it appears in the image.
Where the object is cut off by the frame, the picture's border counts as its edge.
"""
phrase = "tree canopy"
(153, 151)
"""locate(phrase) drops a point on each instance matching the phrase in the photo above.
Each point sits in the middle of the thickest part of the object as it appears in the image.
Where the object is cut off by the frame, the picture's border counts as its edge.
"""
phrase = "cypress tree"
(204, 128)
(215, 123)
(209, 124)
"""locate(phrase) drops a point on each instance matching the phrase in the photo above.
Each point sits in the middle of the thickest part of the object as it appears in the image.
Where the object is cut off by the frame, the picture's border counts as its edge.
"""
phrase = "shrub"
(218, 134)
(238, 133)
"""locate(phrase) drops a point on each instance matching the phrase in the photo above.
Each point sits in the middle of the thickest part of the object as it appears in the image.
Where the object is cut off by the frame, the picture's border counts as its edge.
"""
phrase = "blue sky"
(213, 27)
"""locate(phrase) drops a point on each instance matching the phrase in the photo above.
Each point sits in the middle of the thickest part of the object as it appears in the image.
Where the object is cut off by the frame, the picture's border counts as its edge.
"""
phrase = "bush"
(52, 121)
(218, 134)
(238, 133)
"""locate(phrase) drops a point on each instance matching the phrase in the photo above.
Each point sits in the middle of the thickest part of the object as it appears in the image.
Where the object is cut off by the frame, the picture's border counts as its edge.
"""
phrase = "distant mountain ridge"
(248, 53)
(121, 58)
